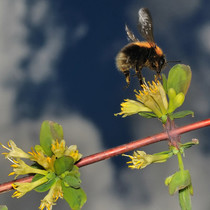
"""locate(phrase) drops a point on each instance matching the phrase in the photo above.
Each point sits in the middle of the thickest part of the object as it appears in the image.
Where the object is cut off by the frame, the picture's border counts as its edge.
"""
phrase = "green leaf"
(50, 131)
(178, 181)
(185, 199)
(76, 198)
(179, 78)
(168, 180)
(147, 114)
(63, 164)
(182, 114)
(3, 207)
(47, 185)
(164, 81)
(72, 181)
(189, 144)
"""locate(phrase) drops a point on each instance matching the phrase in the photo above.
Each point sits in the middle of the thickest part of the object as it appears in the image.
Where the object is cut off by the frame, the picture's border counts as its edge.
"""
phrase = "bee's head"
(157, 63)
(161, 63)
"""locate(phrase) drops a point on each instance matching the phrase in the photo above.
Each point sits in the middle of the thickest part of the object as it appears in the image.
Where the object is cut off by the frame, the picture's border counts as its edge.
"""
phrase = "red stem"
(121, 149)
(140, 143)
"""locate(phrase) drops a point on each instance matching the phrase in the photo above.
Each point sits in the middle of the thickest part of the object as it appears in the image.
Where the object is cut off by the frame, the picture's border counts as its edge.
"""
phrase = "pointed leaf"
(189, 144)
(179, 78)
(50, 131)
(147, 114)
(164, 81)
(180, 180)
(182, 114)
(76, 198)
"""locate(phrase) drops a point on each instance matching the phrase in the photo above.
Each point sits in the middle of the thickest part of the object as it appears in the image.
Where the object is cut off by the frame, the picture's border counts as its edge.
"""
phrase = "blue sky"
(57, 62)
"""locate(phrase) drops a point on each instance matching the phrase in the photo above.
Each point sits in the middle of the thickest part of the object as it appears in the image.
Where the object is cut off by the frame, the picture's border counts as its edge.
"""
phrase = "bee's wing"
(131, 36)
(145, 25)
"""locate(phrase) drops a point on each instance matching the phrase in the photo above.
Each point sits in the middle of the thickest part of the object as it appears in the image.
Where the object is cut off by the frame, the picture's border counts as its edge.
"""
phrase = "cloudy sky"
(57, 63)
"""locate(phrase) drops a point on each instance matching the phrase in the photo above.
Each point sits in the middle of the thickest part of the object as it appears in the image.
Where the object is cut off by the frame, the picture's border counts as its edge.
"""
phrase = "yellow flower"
(14, 151)
(151, 102)
(130, 107)
(73, 152)
(141, 159)
(41, 159)
(21, 168)
(54, 193)
(58, 148)
(153, 96)
(23, 188)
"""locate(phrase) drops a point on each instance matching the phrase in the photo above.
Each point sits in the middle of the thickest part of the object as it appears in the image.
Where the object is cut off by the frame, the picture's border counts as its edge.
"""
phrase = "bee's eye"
(162, 62)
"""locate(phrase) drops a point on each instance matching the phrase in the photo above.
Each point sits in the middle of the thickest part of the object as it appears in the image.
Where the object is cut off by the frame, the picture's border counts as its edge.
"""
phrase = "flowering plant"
(160, 100)
(53, 167)
(152, 99)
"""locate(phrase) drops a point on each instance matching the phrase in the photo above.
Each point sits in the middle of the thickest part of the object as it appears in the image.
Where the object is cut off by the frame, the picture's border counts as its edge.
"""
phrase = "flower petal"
(130, 107)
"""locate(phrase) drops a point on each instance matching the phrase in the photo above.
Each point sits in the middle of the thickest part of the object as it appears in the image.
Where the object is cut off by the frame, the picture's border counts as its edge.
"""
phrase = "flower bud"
(171, 93)
(179, 100)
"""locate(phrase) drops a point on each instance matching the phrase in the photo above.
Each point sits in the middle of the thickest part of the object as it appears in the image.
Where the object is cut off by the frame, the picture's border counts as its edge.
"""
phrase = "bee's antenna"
(173, 62)
(167, 63)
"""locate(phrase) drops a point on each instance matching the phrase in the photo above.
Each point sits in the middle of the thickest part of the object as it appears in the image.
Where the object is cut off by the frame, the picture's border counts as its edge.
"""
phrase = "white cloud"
(42, 64)
(12, 50)
(45, 57)
(39, 12)
(78, 33)
(13, 34)
(204, 37)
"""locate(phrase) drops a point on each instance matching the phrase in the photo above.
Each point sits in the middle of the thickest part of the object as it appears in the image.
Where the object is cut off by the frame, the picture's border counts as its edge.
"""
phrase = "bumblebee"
(138, 54)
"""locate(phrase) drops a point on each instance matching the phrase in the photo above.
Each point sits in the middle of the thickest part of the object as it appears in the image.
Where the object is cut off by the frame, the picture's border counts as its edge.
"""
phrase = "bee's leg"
(127, 77)
(139, 75)
(159, 76)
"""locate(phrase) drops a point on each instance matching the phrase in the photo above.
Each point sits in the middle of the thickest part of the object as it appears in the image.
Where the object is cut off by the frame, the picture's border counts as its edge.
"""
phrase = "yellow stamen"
(8, 144)
(12, 173)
